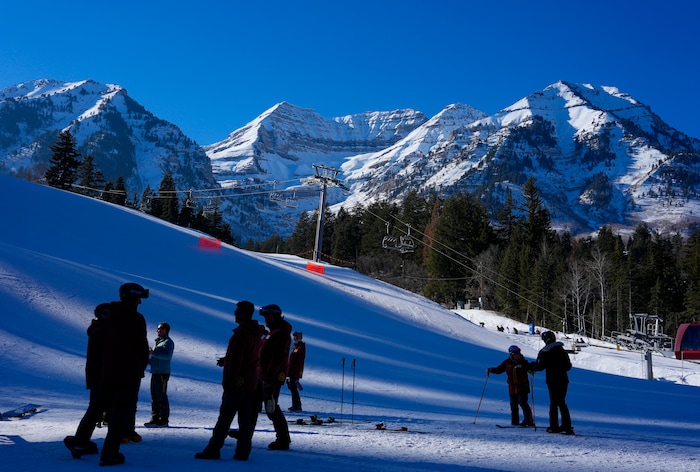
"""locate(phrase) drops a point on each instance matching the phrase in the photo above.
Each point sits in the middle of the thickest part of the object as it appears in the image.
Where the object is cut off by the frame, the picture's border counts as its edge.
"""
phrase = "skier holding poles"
(516, 368)
(482, 396)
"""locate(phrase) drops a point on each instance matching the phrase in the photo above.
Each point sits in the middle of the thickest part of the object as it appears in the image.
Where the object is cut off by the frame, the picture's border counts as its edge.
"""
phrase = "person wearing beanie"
(296, 370)
(274, 360)
(554, 360)
(239, 380)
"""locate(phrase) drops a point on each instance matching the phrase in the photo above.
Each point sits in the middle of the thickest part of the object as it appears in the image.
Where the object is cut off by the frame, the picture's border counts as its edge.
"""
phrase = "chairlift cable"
(469, 259)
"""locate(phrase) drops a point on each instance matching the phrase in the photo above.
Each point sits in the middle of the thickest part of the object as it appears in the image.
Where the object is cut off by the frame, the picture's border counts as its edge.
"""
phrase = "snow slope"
(418, 365)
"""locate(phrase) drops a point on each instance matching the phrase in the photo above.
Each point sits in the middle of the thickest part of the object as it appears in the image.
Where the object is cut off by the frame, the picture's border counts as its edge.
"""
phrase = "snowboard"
(21, 412)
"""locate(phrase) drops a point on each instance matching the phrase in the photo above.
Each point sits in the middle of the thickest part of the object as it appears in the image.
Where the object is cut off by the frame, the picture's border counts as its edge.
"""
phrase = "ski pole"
(352, 414)
(342, 388)
(482, 397)
(532, 394)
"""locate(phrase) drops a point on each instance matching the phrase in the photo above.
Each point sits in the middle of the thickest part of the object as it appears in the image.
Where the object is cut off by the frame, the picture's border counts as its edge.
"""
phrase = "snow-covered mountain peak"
(124, 139)
(598, 155)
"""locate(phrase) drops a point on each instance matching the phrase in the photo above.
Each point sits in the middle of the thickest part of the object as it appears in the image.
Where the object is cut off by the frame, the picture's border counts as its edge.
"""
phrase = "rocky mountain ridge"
(597, 155)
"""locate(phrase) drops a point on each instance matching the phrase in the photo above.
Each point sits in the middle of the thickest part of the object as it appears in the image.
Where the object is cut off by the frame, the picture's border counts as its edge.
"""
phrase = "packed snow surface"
(375, 354)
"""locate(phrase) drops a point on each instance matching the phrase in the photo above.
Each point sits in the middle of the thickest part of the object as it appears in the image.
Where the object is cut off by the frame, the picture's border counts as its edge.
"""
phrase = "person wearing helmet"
(554, 360)
(274, 362)
(516, 368)
(123, 362)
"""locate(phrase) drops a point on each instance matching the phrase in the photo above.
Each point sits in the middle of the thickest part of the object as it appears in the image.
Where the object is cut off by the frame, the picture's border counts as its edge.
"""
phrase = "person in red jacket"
(274, 360)
(240, 380)
(516, 368)
(296, 370)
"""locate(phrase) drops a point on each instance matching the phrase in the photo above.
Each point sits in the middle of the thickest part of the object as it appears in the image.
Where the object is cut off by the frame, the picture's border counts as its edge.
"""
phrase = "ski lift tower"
(325, 177)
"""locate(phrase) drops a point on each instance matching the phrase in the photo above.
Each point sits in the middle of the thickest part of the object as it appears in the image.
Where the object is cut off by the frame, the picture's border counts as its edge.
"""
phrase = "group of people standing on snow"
(256, 365)
(554, 360)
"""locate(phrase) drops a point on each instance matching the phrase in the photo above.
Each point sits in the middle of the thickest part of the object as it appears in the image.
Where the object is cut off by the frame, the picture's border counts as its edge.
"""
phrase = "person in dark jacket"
(296, 370)
(240, 380)
(555, 361)
(161, 355)
(516, 368)
(124, 361)
(80, 444)
(274, 360)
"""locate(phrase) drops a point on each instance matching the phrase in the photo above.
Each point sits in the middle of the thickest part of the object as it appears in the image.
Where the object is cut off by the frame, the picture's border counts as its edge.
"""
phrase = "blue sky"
(212, 66)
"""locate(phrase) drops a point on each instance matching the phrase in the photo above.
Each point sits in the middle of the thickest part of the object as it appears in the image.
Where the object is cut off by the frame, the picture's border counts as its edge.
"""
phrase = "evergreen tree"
(108, 192)
(167, 207)
(299, 242)
(508, 291)
(508, 221)
(119, 196)
(345, 241)
(187, 217)
(690, 262)
(62, 172)
(537, 223)
(464, 232)
(272, 245)
(416, 212)
(90, 178)
(641, 270)
(374, 227)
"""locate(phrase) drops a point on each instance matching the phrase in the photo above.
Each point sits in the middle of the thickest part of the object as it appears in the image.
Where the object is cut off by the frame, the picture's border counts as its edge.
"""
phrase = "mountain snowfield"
(416, 364)
(123, 137)
(469, 152)
(598, 156)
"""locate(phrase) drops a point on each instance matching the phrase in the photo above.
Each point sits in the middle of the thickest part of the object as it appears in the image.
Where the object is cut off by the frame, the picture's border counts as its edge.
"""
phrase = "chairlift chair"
(291, 202)
(276, 196)
(209, 209)
(145, 205)
(189, 201)
(406, 242)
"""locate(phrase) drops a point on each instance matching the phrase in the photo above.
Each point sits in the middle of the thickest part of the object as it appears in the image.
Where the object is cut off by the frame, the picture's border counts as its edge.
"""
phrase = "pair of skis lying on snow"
(316, 421)
(517, 426)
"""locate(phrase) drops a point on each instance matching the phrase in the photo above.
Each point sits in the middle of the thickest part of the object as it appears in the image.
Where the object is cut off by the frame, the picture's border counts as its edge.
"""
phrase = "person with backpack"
(516, 368)
(274, 360)
(554, 360)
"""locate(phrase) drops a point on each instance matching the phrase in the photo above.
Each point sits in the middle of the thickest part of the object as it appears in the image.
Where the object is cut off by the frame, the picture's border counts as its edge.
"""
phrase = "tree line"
(68, 170)
(517, 265)
(449, 250)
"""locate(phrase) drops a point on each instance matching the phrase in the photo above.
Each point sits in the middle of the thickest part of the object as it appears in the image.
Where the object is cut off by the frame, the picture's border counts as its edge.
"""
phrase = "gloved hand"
(220, 361)
(489, 370)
